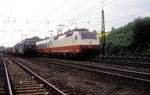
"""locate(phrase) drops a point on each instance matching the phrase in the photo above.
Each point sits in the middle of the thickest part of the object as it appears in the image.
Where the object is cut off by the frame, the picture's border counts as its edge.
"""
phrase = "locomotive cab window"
(89, 35)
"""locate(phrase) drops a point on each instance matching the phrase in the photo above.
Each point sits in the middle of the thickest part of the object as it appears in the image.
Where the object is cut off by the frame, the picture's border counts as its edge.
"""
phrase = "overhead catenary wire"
(89, 17)
(92, 9)
(83, 17)
(128, 16)
(55, 10)
(38, 20)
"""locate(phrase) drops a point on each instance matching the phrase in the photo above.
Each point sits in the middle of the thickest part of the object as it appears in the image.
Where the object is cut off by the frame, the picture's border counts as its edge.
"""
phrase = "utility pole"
(103, 31)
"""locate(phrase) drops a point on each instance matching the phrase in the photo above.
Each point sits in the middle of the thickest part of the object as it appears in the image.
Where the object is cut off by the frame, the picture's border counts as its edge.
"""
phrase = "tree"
(133, 38)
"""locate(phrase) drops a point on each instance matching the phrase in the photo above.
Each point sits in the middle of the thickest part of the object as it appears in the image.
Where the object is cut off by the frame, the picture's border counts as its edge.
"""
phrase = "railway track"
(135, 75)
(5, 88)
(26, 82)
(115, 60)
(138, 58)
(44, 72)
(125, 61)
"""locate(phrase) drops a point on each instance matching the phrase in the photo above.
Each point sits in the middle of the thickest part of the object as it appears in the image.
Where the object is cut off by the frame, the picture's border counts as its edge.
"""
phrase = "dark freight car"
(25, 48)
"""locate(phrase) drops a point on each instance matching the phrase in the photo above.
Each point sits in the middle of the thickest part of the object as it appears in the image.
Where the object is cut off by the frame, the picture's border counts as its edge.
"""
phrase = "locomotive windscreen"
(88, 35)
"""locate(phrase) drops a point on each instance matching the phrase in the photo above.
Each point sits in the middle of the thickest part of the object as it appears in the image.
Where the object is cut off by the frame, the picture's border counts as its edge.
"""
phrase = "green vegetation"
(131, 39)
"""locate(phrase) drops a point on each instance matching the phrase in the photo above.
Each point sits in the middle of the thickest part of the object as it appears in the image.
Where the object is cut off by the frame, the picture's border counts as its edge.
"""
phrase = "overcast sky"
(20, 19)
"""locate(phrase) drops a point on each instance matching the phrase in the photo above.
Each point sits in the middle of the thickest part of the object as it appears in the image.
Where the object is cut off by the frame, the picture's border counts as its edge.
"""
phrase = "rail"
(59, 92)
(141, 76)
(8, 80)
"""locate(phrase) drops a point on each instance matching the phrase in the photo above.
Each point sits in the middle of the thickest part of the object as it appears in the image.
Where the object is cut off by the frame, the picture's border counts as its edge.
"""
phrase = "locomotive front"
(29, 48)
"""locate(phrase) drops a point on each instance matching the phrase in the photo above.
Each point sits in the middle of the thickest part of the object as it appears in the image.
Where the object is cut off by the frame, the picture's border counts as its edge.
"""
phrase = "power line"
(92, 9)
(79, 18)
(129, 16)
(42, 20)
(54, 11)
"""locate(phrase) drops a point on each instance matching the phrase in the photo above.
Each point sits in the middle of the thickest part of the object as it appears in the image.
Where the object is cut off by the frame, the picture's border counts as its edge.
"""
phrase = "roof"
(80, 29)
(41, 42)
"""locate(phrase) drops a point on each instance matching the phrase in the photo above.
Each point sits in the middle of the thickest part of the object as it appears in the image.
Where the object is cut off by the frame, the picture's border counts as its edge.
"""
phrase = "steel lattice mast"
(103, 32)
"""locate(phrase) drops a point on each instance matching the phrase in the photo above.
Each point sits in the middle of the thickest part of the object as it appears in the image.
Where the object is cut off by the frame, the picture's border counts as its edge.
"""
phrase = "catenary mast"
(103, 31)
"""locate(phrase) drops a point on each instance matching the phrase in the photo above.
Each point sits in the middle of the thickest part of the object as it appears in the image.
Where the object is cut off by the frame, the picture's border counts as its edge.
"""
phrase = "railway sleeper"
(31, 91)
(29, 85)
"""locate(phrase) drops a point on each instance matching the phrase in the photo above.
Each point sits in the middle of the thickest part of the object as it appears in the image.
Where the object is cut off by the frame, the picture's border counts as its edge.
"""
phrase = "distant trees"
(131, 39)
